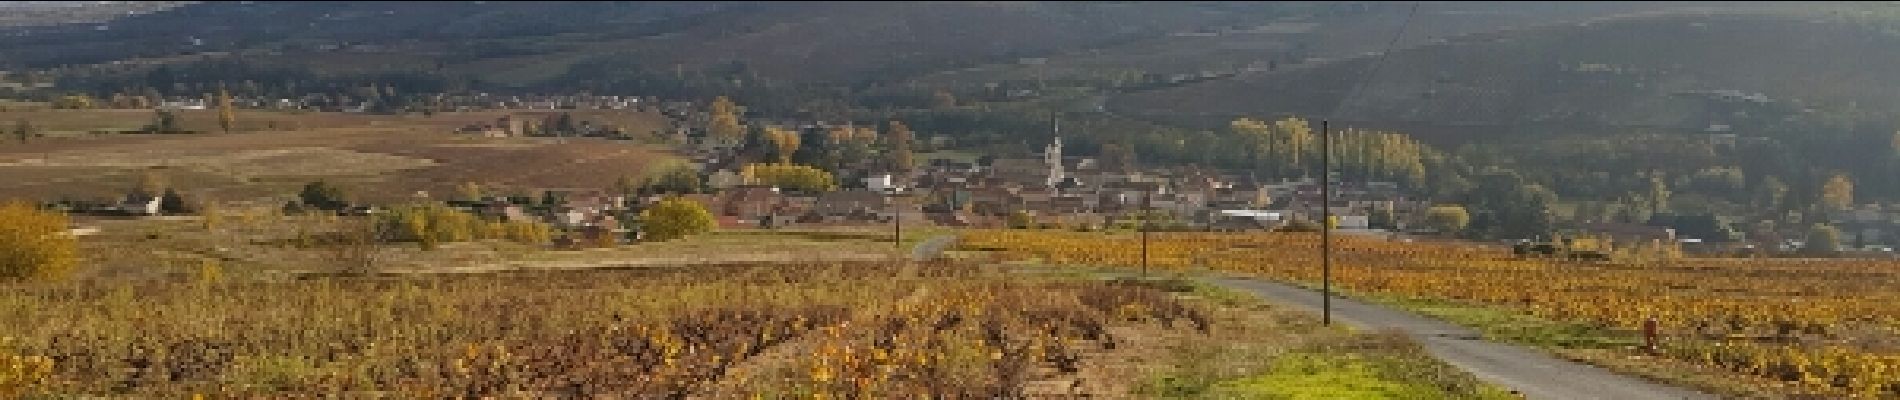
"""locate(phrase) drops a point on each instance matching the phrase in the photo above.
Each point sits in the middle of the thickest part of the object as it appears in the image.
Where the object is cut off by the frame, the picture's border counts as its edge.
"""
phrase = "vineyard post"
(1326, 222)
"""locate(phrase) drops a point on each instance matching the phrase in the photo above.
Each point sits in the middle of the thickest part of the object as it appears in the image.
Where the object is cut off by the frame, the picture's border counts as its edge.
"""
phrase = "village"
(1051, 188)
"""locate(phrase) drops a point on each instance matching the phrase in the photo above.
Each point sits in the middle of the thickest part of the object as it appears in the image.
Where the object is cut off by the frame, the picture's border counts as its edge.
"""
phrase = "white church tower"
(1052, 155)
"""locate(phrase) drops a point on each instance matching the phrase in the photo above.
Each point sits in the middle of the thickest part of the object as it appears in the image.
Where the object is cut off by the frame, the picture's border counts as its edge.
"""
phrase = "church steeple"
(1053, 153)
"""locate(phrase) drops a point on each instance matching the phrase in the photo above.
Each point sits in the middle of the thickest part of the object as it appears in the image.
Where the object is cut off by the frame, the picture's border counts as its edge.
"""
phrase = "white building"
(879, 183)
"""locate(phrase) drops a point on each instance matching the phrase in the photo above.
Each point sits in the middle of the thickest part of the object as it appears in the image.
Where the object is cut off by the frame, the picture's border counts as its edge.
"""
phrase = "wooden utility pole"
(1326, 223)
(1147, 211)
(897, 218)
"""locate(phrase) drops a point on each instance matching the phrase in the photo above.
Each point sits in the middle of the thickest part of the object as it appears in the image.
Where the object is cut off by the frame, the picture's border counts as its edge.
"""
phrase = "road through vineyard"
(1826, 327)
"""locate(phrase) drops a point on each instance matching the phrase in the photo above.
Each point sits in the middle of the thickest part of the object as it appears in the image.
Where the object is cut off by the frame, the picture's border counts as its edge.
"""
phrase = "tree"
(784, 143)
(1020, 219)
(674, 178)
(73, 102)
(323, 196)
(1838, 192)
(1506, 206)
(564, 125)
(1299, 137)
(226, 117)
(1771, 193)
(23, 130)
(800, 178)
(723, 120)
(1658, 194)
(174, 203)
(1823, 240)
(1382, 218)
(163, 121)
(1447, 218)
(675, 218)
(470, 191)
(900, 147)
(35, 244)
(624, 185)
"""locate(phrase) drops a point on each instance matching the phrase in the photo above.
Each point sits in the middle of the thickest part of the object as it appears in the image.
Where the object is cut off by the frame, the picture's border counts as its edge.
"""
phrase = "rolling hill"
(1682, 72)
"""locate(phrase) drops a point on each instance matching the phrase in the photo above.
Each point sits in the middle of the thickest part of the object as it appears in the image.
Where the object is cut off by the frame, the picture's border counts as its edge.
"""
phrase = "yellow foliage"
(1828, 301)
(20, 373)
(783, 141)
(724, 119)
(789, 177)
(74, 102)
(675, 218)
(435, 223)
(34, 243)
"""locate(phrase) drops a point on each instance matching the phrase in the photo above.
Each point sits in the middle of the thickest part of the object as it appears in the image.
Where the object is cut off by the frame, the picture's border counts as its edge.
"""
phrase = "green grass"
(1575, 341)
(1361, 366)
(1502, 324)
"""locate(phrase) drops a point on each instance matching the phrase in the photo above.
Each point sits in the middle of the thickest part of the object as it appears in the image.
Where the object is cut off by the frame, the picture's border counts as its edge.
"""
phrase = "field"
(261, 244)
(379, 158)
(829, 330)
(1739, 327)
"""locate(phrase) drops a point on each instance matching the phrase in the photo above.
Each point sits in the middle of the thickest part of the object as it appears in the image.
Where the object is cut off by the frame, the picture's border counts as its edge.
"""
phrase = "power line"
(1326, 173)
(1376, 64)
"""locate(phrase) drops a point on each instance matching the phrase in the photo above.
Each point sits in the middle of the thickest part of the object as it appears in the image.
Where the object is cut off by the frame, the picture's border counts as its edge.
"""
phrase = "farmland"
(269, 154)
(825, 330)
(260, 244)
(1741, 327)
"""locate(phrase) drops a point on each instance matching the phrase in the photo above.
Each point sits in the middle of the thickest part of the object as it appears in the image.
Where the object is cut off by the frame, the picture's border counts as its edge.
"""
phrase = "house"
(848, 203)
(993, 201)
(751, 203)
(879, 182)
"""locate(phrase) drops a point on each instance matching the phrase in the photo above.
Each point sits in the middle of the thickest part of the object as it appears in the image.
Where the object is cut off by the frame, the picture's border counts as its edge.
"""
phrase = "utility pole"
(897, 218)
(1326, 222)
(1147, 205)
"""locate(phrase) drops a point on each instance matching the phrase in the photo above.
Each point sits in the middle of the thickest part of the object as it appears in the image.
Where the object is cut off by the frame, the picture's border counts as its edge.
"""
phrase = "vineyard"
(806, 331)
(1829, 328)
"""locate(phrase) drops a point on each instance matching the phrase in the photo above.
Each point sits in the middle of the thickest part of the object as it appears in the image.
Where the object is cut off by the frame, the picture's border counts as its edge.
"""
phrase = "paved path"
(1534, 373)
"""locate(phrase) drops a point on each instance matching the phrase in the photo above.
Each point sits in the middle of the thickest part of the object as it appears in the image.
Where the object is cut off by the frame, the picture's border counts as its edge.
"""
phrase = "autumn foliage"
(1823, 327)
(34, 243)
(790, 177)
(675, 218)
(852, 330)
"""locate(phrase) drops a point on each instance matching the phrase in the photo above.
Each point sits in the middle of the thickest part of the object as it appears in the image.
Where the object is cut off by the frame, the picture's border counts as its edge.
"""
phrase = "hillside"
(519, 43)
(1682, 72)
(1315, 32)
(41, 13)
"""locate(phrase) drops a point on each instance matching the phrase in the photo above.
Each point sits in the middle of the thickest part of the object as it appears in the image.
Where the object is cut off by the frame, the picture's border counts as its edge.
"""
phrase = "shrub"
(675, 218)
(34, 243)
